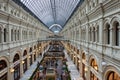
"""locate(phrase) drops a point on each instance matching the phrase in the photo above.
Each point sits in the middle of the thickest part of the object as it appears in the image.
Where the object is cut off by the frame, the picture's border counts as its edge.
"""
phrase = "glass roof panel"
(52, 11)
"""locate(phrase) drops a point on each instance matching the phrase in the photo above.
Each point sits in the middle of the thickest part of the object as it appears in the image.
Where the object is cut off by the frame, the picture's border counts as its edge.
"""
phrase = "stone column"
(96, 34)
(28, 61)
(33, 57)
(11, 69)
(20, 34)
(111, 36)
(80, 67)
(9, 34)
(2, 35)
(21, 67)
(11, 74)
(101, 31)
(87, 72)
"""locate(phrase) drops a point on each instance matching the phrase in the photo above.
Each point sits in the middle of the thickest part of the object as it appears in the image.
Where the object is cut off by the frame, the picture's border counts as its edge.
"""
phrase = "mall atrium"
(59, 39)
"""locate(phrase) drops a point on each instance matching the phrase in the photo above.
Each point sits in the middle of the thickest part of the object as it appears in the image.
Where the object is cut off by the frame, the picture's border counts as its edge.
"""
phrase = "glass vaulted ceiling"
(53, 13)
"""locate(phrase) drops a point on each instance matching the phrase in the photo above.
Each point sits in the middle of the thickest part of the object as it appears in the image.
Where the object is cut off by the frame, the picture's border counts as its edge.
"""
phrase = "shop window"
(30, 50)
(94, 64)
(83, 66)
(16, 57)
(25, 53)
(16, 68)
(2, 64)
(113, 76)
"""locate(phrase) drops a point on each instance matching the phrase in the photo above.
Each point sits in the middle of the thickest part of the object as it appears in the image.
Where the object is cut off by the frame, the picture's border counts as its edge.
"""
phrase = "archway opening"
(113, 76)
(116, 33)
(83, 66)
(16, 67)
(3, 65)
(25, 61)
(93, 64)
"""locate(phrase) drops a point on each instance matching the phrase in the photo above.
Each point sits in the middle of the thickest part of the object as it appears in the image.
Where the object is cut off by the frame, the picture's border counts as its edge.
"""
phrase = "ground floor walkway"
(30, 71)
(74, 73)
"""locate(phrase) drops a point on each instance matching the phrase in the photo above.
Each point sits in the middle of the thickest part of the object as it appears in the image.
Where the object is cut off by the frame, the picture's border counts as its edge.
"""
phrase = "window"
(0, 34)
(116, 34)
(15, 35)
(84, 34)
(94, 36)
(107, 34)
(18, 35)
(5, 34)
(16, 57)
(2, 64)
(77, 35)
(113, 76)
(22, 35)
(90, 35)
(30, 49)
(92, 76)
(95, 66)
(25, 53)
(97, 33)
(12, 35)
(83, 66)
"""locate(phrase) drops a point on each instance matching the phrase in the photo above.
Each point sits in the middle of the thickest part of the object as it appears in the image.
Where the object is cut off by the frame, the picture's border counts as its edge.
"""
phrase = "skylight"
(52, 11)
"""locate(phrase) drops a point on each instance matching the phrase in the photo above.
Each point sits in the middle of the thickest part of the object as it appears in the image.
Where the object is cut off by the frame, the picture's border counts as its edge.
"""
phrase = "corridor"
(59, 39)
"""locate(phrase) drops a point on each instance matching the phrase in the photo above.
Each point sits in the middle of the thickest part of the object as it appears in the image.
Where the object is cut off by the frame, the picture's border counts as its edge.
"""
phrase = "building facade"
(19, 35)
(92, 34)
(94, 39)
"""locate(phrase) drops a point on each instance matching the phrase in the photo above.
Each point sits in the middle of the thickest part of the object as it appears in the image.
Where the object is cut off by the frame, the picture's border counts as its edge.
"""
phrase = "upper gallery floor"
(18, 27)
(96, 26)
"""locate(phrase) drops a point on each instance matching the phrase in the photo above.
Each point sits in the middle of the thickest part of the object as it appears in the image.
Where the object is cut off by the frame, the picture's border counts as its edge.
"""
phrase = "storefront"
(113, 76)
(78, 61)
(94, 65)
(30, 59)
(25, 61)
(16, 67)
(17, 72)
(35, 57)
(30, 56)
(25, 65)
(3, 68)
(83, 66)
